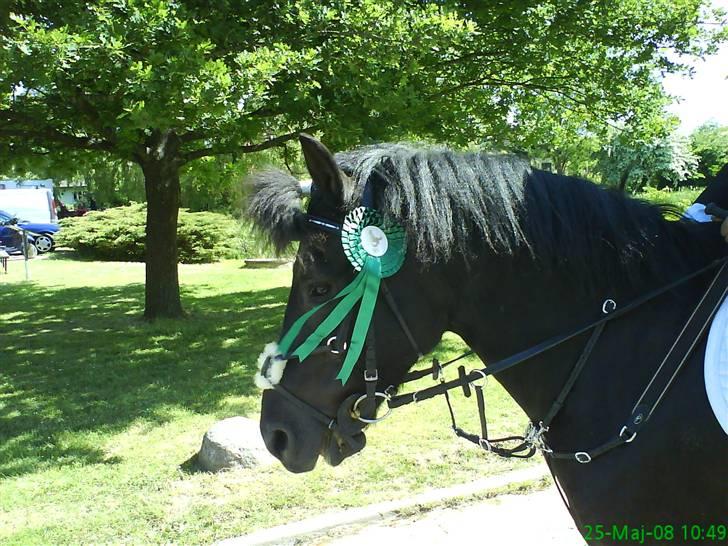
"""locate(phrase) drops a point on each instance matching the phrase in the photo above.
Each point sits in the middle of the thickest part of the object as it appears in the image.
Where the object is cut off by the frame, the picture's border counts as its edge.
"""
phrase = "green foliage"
(101, 75)
(681, 198)
(710, 143)
(165, 83)
(633, 163)
(118, 234)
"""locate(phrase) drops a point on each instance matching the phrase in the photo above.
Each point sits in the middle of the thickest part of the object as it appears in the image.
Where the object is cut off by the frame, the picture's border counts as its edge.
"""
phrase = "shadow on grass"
(80, 362)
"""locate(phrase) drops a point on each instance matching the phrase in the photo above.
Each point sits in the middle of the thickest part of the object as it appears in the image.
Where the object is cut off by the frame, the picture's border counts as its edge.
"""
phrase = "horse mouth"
(335, 449)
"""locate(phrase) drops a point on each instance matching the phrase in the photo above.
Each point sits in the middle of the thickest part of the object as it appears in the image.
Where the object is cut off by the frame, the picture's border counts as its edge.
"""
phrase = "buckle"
(534, 437)
(368, 377)
(583, 457)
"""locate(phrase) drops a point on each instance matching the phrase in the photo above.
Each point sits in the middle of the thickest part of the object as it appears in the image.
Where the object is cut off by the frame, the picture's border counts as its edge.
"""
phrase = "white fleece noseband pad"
(270, 367)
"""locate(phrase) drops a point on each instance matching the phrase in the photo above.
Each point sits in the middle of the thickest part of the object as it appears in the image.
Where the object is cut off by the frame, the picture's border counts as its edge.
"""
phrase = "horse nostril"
(278, 442)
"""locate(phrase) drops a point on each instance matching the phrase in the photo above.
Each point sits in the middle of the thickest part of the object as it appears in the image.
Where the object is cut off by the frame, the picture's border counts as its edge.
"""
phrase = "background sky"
(705, 96)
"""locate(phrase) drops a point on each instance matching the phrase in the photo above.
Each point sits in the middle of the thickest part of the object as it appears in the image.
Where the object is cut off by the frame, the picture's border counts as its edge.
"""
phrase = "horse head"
(308, 401)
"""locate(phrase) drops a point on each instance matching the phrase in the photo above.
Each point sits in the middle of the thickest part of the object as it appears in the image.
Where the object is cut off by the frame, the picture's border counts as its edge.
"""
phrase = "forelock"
(275, 207)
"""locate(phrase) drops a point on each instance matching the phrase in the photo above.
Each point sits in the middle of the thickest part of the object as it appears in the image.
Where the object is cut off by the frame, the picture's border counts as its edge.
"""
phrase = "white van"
(31, 205)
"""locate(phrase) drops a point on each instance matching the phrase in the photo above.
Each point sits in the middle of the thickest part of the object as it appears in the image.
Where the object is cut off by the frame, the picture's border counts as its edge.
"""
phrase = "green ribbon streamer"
(364, 288)
(285, 343)
(372, 271)
(333, 319)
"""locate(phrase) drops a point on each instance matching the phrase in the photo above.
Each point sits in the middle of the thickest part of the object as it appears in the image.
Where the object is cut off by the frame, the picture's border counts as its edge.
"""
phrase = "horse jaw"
(336, 450)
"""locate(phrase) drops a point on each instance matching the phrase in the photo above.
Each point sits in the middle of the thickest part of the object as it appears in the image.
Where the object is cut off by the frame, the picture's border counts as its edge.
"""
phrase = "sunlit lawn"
(100, 412)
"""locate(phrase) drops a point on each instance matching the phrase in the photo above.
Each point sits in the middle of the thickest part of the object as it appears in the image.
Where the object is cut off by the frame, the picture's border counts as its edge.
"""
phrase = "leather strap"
(531, 352)
(681, 349)
(693, 330)
(575, 373)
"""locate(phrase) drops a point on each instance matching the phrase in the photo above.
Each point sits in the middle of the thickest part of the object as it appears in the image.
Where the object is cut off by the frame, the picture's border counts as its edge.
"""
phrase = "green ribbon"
(372, 272)
(364, 289)
(287, 340)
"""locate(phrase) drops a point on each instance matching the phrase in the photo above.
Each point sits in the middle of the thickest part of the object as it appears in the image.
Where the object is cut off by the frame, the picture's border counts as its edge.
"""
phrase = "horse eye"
(319, 290)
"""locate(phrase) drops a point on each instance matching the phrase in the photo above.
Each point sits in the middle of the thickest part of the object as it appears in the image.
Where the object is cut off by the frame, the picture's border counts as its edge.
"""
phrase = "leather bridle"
(359, 410)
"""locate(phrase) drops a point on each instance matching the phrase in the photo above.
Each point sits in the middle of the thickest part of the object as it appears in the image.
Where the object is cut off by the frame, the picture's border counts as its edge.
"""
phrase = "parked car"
(43, 232)
(11, 238)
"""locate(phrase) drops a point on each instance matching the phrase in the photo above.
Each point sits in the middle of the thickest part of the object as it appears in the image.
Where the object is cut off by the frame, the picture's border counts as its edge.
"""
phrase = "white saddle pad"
(716, 366)
(716, 352)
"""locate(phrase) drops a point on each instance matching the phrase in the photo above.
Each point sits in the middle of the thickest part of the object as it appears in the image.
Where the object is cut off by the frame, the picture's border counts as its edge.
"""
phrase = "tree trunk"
(624, 178)
(160, 164)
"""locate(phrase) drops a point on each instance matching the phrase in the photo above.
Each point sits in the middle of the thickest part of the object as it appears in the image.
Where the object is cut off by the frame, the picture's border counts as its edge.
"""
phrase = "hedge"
(117, 234)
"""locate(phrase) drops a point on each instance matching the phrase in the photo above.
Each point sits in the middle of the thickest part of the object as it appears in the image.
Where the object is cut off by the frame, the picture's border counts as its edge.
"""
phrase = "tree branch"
(15, 125)
(244, 148)
(50, 136)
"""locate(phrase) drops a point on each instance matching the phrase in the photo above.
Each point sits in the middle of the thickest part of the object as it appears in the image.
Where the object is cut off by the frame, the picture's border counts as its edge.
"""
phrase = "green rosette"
(360, 242)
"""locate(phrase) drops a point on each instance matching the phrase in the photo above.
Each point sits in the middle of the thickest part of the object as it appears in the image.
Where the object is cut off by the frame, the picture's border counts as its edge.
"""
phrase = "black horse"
(507, 256)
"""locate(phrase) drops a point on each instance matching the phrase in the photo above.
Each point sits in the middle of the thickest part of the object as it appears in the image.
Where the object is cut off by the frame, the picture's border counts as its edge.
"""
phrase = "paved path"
(536, 519)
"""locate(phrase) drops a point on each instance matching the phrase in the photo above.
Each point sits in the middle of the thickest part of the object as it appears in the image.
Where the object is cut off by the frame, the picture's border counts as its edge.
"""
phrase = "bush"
(681, 198)
(117, 234)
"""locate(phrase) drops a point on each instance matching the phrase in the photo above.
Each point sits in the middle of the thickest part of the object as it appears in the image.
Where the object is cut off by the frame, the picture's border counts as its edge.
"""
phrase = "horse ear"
(325, 173)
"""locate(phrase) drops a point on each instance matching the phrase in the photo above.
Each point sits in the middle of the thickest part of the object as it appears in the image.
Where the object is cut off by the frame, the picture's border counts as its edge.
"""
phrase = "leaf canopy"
(241, 76)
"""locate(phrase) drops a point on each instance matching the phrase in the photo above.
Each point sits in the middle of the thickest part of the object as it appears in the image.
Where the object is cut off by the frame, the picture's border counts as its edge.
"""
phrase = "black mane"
(453, 203)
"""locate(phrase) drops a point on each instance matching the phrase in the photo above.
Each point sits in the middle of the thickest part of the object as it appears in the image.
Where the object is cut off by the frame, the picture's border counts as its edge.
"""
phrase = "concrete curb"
(324, 522)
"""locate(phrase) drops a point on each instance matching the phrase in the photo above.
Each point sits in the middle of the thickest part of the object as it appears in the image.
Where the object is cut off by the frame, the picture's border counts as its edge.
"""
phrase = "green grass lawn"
(101, 412)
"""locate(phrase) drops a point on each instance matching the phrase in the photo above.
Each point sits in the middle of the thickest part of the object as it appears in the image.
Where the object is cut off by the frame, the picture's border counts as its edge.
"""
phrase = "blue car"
(42, 233)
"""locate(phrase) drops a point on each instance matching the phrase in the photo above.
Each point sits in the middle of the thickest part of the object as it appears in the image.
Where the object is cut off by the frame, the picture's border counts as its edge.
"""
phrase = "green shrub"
(117, 234)
(681, 198)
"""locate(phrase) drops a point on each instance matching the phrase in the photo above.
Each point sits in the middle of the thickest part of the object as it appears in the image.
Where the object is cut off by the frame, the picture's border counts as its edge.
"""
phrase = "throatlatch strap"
(402, 323)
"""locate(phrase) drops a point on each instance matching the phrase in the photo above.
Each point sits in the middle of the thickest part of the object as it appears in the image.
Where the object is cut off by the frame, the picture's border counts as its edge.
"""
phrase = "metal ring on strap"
(627, 440)
(484, 379)
(355, 408)
(329, 343)
(583, 457)
(609, 306)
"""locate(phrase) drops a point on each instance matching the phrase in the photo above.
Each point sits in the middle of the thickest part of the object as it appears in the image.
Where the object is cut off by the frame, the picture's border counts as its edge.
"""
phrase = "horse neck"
(508, 303)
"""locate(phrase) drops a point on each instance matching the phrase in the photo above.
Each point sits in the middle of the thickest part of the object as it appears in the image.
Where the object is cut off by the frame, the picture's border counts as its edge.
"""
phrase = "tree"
(631, 164)
(710, 143)
(165, 83)
(564, 136)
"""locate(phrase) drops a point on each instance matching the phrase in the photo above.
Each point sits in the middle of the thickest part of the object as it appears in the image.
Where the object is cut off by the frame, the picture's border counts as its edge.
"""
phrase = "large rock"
(233, 443)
